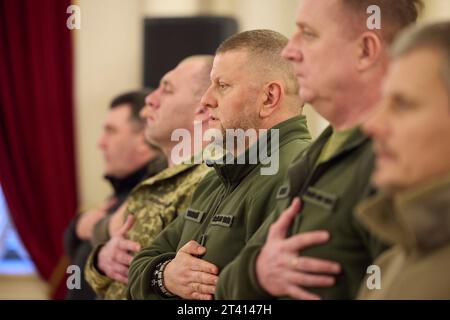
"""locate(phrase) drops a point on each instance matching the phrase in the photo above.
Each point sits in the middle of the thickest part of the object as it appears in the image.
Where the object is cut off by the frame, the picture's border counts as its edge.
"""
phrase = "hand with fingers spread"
(280, 268)
(115, 257)
(190, 277)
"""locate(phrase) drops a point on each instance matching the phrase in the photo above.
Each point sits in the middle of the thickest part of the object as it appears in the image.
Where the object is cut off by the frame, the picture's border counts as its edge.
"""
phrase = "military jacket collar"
(232, 172)
(304, 168)
(417, 219)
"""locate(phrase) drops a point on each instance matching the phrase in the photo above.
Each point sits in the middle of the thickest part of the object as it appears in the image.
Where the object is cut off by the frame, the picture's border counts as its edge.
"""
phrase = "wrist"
(259, 276)
(157, 281)
(79, 228)
(97, 258)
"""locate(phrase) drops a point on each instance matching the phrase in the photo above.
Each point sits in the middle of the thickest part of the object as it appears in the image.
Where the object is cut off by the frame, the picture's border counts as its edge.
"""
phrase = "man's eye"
(222, 85)
(401, 106)
(308, 35)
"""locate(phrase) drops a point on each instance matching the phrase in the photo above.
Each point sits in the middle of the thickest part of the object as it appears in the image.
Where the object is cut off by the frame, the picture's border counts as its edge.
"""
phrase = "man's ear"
(370, 50)
(273, 93)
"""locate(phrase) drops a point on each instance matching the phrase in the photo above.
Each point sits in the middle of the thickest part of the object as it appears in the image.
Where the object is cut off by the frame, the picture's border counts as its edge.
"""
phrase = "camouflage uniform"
(155, 203)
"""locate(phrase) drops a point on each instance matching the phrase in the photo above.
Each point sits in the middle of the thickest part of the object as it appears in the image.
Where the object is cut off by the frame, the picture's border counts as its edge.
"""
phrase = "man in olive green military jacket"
(252, 87)
(322, 251)
(158, 200)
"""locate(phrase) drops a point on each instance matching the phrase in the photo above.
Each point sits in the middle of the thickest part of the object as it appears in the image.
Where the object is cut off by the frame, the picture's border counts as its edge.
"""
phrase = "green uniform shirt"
(334, 143)
(155, 203)
(329, 191)
(227, 208)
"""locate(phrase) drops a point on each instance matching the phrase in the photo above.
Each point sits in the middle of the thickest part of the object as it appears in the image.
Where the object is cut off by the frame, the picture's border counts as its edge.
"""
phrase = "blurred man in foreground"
(411, 132)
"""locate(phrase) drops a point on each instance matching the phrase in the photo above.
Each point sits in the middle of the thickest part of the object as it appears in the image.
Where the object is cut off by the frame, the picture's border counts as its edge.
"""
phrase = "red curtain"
(37, 161)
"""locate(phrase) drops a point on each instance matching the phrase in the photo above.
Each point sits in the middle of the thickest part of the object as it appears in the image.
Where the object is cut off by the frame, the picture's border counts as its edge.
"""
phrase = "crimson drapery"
(37, 161)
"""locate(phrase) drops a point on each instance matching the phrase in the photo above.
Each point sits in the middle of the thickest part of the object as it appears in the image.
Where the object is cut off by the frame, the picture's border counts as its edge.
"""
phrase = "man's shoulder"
(359, 149)
(178, 174)
(168, 186)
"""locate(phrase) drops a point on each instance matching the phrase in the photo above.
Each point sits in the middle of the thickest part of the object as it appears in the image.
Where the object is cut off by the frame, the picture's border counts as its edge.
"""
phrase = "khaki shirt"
(417, 223)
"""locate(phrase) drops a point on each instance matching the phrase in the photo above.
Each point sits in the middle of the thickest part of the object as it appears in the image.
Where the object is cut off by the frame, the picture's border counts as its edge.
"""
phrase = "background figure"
(157, 201)
(128, 159)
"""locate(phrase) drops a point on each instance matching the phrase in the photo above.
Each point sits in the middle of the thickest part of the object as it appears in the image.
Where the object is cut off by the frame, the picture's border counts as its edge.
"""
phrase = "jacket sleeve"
(98, 281)
(163, 248)
(100, 233)
(71, 240)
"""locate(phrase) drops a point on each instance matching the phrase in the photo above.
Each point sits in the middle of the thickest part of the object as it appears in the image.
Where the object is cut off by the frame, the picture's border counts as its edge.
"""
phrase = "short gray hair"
(433, 36)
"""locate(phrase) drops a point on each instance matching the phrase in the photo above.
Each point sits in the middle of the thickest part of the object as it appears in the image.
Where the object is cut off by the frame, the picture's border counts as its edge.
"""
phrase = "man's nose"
(292, 51)
(208, 99)
(152, 100)
(101, 142)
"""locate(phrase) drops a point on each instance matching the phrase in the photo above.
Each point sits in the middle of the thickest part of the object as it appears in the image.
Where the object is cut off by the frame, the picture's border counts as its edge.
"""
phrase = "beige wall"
(108, 59)
(23, 287)
(107, 62)
(266, 14)
(436, 10)
(171, 7)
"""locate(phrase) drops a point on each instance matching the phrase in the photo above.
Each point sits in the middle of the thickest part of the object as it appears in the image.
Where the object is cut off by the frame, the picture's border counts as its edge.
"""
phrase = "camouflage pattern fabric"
(156, 202)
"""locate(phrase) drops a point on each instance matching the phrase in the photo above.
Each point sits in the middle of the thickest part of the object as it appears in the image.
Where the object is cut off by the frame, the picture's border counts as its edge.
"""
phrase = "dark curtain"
(37, 160)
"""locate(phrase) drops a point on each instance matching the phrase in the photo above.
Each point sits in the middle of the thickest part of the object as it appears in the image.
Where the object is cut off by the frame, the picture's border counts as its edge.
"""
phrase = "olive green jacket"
(417, 223)
(227, 208)
(155, 203)
(329, 191)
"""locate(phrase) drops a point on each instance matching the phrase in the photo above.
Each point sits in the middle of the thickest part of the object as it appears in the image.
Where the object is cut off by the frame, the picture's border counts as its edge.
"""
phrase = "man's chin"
(151, 139)
(306, 95)
(109, 173)
(214, 124)
(386, 183)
